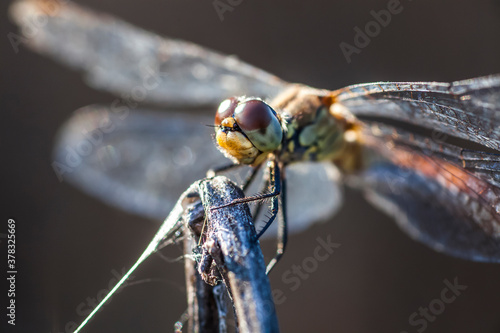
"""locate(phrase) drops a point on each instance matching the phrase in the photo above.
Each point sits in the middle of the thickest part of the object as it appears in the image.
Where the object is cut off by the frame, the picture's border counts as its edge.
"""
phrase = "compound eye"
(225, 110)
(260, 124)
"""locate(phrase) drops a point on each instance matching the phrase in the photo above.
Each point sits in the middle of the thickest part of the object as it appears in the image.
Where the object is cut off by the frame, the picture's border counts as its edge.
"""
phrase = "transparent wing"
(483, 165)
(434, 200)
(468, 109)
(139, 161)
(434, 222)
(125, 60)
(142, 161)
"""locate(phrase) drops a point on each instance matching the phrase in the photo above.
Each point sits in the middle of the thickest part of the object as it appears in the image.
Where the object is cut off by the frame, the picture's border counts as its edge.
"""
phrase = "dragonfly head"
(247, 129)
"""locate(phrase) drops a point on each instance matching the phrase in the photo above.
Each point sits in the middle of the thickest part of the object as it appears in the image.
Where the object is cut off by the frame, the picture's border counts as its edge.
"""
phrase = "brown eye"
(225, 110)
(253, 114)
(260, 124)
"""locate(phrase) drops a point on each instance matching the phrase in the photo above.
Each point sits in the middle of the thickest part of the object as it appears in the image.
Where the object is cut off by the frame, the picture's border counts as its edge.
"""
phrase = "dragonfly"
(376, 137)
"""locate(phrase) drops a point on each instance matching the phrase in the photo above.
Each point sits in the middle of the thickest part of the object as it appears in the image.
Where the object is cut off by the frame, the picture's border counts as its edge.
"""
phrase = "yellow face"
(236, 144)
(247, 130)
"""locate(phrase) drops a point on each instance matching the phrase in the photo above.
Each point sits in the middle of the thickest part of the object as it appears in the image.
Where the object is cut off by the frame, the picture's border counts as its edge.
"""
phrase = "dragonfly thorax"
(317, 129)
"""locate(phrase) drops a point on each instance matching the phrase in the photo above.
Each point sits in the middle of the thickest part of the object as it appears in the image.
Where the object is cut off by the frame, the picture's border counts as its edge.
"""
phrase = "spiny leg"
(249, 179)
(282, 227)
(278, 187)
(246, 184)
(275, 191)
(258, 209)
(274, 213)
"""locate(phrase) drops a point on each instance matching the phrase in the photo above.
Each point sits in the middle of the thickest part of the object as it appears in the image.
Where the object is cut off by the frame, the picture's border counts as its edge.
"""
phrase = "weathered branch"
(229, 244)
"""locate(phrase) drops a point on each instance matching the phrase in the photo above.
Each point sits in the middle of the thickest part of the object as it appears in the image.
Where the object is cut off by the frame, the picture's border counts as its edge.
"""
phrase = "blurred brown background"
(69, 243)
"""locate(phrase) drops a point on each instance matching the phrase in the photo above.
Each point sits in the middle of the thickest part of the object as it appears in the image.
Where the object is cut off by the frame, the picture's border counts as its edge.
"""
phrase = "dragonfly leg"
(278, 184)
(251, 177)
(274, 213)
(282, 228)
(256, 212)
(222, 168)
(275, 191)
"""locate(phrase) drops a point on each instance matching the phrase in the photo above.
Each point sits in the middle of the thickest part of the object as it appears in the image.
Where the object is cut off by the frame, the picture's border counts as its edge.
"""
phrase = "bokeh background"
(69, 244)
